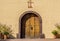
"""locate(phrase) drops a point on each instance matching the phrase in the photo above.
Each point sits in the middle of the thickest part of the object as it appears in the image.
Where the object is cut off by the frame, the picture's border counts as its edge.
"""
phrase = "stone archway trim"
(40, 19)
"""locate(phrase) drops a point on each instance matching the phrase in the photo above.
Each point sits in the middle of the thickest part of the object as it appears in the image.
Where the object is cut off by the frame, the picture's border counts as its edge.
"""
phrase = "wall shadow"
(11, 37)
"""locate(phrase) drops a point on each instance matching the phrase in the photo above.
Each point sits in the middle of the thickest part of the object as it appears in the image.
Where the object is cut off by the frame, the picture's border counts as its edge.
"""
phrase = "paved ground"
(31, 40)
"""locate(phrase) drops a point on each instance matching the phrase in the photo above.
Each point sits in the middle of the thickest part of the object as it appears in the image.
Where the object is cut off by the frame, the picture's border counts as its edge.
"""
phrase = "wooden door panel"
(32, 27)
(37, 27)
(27, 29)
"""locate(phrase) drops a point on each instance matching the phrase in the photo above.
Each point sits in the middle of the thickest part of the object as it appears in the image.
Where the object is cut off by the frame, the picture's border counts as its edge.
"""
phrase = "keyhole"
(31, 28)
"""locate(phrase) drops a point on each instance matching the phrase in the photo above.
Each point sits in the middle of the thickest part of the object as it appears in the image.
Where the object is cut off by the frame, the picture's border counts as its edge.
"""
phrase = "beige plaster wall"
(49, 10)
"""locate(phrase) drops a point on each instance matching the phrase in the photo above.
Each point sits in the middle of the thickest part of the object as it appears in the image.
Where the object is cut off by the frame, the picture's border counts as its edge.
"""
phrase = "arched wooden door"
(30, 26)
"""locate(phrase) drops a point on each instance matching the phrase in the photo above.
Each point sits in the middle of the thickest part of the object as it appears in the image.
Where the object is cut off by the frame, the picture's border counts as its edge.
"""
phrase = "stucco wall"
(49, 10)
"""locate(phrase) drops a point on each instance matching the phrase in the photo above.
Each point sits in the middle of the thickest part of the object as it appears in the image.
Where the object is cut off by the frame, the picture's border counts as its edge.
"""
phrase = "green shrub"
(5, 29)
(6, 33)
(54, 32)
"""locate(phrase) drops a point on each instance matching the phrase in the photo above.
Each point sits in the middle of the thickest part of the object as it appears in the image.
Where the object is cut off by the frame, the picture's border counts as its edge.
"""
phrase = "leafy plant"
(5, 29)
(54, 32)
(6, 33)
(58, 26)
(57, 32)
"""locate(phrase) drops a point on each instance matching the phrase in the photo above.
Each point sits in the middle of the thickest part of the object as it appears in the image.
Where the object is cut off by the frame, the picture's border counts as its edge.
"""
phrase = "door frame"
(21, 16)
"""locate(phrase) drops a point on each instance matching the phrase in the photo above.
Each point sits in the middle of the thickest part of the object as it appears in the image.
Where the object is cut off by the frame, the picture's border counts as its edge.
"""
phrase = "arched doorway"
(30, 25)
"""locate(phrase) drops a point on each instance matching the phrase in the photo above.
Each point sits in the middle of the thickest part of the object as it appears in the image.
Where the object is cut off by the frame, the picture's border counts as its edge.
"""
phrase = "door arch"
(24, 18)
